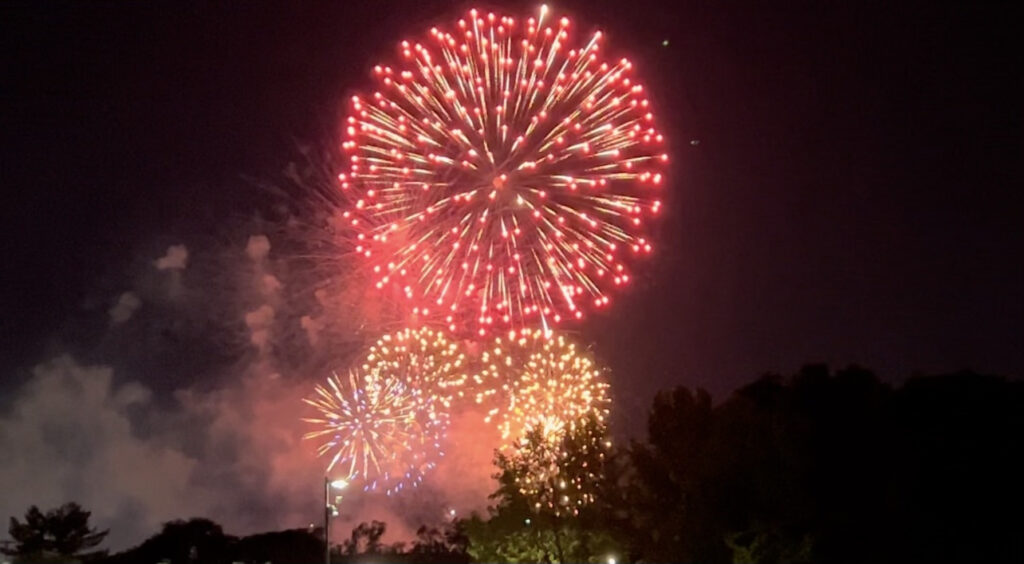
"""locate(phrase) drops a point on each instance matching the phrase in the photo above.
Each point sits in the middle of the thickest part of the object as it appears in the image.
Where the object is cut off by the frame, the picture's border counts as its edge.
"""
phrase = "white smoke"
(176, 258)
(125, 308)
(259, 322)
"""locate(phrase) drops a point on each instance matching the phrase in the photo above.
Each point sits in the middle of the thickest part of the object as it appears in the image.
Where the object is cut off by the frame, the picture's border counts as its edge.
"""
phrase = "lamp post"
(328, 510)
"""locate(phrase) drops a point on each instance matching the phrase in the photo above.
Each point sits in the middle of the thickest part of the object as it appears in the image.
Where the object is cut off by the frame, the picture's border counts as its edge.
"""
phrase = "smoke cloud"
(125, 308)
(175, 259)
(69, 435)
(122, 439)
(258, 247)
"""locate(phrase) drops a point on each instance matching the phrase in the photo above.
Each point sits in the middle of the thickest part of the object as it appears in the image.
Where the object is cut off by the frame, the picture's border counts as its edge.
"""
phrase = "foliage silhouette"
(832, 467)
(60, 535)
(196, 541)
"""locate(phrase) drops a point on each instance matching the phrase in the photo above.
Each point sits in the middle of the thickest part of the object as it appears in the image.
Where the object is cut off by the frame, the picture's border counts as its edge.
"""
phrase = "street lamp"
(329, 509)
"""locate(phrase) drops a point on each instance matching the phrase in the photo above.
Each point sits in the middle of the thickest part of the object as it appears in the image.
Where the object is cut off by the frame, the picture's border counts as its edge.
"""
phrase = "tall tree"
(550, 503)
(672, 508)
(60, 535)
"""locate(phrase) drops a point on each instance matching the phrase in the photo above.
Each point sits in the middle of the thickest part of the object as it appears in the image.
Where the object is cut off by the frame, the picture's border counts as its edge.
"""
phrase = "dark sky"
(853, 196)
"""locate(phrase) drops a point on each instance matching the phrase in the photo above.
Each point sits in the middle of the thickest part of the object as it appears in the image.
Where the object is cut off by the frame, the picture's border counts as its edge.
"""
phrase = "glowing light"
(503, 174)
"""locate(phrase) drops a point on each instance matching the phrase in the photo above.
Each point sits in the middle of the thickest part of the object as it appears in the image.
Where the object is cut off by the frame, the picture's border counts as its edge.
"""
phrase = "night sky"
(843, 189)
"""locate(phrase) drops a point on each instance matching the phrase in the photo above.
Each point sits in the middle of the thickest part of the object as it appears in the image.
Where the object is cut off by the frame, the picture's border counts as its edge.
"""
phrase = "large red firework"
(501, 177)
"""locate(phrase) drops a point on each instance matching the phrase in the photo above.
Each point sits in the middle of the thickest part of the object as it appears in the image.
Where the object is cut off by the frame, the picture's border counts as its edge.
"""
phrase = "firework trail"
(500, 176)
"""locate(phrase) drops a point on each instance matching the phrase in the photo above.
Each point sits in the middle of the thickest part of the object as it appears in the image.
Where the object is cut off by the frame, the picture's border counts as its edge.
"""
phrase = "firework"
(423, 358)
(377, 429)
(501, 176)
(539, 383)
(387, 424)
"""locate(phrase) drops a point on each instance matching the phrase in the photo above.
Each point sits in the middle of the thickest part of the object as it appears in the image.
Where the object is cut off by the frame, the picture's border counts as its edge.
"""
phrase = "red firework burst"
(501, 177)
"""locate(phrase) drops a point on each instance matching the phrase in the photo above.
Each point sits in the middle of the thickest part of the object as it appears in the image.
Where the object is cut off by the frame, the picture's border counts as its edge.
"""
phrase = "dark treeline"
(833, 468)
(817, 467)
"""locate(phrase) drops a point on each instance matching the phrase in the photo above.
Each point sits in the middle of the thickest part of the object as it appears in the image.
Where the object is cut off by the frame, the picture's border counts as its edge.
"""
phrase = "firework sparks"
(561, 476)
(423, 358)
(377, 429)
(501, 176)
(540, 383)
(387, 424)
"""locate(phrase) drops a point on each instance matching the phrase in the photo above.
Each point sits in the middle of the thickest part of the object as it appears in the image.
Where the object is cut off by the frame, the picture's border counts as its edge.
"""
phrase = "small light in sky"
(664, 43)
(695, 142)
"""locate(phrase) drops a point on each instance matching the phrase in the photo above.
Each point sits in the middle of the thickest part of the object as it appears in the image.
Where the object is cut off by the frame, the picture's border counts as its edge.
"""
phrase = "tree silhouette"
(296, 546)
(365, 539)
(196, 541)
(434, 545)
(62, 534)
(832, 467)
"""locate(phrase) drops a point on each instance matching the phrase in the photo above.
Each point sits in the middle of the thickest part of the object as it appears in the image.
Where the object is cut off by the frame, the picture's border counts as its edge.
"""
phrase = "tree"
(296, 546)
(434, 545)
(196, 541)
(833, 467)
(60, 535)
(551, 501)
(768, 547)
(672, 507)
(365, 539)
